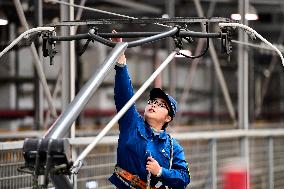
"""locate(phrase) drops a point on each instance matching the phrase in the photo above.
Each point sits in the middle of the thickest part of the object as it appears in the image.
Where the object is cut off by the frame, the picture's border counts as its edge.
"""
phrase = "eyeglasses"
(156, 102)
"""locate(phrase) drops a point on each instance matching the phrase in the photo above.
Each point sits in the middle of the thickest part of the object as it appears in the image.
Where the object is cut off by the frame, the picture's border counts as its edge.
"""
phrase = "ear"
(168, 119)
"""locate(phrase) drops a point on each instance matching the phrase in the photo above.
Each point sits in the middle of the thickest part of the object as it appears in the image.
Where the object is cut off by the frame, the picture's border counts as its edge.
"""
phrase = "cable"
(200, 55)
(23, 35)
(246, 28)
(100, 11)
(259, 46)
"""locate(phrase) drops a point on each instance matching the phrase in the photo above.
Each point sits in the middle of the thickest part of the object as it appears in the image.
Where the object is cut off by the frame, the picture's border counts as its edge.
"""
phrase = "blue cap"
(159, 93)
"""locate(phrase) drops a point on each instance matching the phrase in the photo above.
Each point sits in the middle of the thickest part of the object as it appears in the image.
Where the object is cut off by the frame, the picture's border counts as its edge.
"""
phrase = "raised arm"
(123, 90)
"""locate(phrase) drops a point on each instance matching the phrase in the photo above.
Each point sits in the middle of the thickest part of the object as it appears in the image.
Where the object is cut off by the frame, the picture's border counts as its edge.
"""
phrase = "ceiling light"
(3, 19)
(251, 15)
(3, 22)
(236, 17)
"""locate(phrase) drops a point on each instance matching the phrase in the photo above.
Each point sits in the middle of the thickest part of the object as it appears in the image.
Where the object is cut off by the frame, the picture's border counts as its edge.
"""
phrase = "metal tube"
(72, 85)
(134, 35)
(63, 123)
(148, 34)
(78, 163)
(72, 64)
(69, 38)
(153, 38)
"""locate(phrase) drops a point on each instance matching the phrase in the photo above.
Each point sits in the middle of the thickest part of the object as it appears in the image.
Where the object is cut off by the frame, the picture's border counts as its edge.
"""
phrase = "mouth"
(151, 110)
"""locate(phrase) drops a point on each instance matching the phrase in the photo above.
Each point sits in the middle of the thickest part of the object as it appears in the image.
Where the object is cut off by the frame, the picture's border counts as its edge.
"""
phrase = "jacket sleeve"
(123, 91)
(178, 176)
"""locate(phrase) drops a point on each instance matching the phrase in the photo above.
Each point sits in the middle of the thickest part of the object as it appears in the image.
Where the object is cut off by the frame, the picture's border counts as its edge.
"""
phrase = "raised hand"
(121, 59)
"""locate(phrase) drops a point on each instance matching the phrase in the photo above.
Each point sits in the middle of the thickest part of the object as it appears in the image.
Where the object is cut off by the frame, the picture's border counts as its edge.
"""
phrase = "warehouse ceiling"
(269, 25)
(270, 11)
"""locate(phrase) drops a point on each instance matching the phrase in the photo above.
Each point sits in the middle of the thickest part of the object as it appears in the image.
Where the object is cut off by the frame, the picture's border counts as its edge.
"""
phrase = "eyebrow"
(160, 100)
(163, 101)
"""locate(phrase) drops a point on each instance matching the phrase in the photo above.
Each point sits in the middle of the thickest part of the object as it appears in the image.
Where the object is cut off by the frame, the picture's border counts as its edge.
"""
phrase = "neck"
(155, 125)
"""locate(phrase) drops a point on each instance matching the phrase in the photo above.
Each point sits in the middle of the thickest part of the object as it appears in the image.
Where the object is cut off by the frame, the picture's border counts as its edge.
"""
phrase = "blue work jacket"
(137, 142)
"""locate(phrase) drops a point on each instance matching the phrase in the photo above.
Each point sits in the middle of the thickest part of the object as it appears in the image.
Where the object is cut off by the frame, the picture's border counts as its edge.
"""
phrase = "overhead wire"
(101, 11)
(259, 46)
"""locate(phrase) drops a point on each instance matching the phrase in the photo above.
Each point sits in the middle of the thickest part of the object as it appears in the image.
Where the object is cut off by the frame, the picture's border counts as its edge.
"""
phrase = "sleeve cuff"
(160, 172)
(120, 65)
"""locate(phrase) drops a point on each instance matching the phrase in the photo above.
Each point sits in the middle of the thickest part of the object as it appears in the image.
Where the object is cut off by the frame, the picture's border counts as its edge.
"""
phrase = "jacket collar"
(146, 131)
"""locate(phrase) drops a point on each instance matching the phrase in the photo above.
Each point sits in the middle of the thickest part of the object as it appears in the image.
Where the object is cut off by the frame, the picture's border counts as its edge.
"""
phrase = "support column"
(59, 180)
(72, 83)
(213, 145)
(170, 10)
(270, 163)
(65, 58)
(38, 90)
(243, 70)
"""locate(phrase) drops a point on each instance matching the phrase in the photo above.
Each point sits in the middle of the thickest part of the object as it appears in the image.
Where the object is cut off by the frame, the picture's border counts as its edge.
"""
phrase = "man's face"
(157, 109)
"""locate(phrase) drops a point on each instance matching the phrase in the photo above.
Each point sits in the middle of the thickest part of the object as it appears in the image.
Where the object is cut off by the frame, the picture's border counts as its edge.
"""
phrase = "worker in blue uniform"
(147, 156)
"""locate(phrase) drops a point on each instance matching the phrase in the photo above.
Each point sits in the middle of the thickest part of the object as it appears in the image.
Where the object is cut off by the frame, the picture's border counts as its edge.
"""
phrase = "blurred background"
(231, 108)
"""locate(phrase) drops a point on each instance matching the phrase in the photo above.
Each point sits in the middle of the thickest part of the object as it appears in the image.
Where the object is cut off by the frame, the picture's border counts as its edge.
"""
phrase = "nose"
(153, 105)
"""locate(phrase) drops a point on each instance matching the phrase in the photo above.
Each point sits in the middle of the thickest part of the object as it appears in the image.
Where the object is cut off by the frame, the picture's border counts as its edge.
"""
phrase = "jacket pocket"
(165, 157)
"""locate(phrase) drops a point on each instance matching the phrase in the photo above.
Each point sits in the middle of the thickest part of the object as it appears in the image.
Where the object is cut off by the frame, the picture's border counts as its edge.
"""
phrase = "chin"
(148, 116)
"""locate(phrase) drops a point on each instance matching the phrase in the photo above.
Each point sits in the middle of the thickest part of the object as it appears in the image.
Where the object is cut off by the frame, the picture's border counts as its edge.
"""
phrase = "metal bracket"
(45, 157)
(226, 40)
(48, 46)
